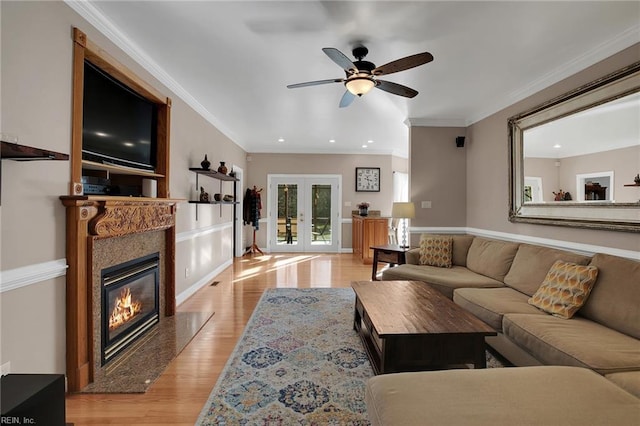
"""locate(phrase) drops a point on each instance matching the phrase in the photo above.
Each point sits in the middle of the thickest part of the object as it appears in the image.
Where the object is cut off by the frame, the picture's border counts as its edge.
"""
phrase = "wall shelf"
(632, 184)
(222, 178)
(213, 174)
(118, 170)
(16, 152)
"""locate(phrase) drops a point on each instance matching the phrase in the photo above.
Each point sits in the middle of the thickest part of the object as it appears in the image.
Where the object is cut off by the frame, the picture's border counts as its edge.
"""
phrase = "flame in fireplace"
(125, 309)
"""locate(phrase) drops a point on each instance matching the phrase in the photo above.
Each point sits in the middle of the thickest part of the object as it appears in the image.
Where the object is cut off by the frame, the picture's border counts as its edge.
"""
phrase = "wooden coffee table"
(410, 326)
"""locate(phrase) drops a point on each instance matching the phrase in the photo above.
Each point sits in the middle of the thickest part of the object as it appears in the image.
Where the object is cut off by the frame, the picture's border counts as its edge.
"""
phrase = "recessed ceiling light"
(332, 141)
(556, 146)
(281, 140)
(369, 141)
(101, 134)
(129, 144)
(364, 146)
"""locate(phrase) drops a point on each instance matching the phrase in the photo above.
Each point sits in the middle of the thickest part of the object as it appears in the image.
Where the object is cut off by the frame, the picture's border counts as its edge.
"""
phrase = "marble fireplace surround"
(107, 252)
(104, 231)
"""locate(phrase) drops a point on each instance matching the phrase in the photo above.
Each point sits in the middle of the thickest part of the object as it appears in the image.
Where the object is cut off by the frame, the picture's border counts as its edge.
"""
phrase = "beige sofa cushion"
(547, 395)
(629, 381)
(444, 279)
(491, 258)
(576, 342)
(565, 289)
(461, 244)
(490, 304)
(531, 264)
(615, 298)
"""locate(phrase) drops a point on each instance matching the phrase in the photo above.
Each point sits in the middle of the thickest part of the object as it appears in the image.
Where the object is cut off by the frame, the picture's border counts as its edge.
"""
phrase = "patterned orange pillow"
(436, 251)
(565, 289)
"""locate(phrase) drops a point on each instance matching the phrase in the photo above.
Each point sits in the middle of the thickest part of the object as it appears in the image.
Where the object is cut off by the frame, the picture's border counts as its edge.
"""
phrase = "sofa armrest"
(413, 256)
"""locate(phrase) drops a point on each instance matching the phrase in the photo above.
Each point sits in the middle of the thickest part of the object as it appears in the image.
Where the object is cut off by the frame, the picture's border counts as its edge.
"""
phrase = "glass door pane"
(287, 233)
(321, 215)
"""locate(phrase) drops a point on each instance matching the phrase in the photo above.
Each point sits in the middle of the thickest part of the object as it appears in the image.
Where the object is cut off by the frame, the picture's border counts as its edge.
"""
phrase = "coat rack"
(251, 213)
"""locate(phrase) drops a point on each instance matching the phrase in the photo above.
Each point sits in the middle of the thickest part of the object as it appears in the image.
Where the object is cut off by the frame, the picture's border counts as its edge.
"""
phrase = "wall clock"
(367, 179)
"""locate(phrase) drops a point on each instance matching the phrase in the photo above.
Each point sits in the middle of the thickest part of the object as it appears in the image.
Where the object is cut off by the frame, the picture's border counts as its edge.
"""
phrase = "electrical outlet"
(187, 272)
(5, 368)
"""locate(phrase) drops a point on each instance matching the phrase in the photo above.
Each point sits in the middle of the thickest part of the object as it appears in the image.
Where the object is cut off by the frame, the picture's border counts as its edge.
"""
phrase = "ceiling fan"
(361, 75)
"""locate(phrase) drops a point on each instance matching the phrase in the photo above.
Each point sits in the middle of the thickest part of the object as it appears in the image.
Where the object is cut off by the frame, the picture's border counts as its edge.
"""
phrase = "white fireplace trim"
(12, 279)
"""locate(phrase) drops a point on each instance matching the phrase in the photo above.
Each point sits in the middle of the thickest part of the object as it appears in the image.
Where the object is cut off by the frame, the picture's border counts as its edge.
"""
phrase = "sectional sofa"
(496, 281)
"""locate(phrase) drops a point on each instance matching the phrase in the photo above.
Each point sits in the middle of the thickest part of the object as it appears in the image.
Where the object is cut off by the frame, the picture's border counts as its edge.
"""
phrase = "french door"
(304, 213)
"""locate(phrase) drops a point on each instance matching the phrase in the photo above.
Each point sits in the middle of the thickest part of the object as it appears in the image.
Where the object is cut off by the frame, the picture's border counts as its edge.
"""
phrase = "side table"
(390, 253)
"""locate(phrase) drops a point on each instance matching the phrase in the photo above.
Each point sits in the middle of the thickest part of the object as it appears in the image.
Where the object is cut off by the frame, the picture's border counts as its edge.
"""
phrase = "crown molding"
(92, 15)
(626, 39)
(435, 122)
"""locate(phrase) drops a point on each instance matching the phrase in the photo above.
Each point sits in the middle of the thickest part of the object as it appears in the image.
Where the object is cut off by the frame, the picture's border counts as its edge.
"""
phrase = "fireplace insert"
(130, 303)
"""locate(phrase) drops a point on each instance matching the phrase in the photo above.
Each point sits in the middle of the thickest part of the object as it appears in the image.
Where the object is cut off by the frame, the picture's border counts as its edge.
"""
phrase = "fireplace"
(130, 303)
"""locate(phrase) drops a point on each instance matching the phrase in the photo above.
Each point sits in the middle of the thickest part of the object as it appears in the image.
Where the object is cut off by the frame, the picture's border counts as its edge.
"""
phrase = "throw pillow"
(436, 251)
(565, 289)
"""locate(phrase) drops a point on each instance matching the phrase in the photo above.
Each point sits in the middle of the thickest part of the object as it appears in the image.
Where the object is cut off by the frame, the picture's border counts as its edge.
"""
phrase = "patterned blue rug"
(298, 362)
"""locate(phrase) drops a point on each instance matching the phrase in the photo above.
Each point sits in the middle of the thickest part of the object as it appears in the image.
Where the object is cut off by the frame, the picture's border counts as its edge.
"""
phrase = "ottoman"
(544, 395)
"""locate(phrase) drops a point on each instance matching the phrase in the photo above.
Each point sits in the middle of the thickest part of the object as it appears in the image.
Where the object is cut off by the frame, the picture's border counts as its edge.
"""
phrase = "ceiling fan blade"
(403, 64)
(396, 89)
(341, 59)
(347, 98)
(315, 83)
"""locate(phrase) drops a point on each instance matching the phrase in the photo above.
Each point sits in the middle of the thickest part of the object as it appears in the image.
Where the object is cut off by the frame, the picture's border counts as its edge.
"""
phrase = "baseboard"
(184, 295)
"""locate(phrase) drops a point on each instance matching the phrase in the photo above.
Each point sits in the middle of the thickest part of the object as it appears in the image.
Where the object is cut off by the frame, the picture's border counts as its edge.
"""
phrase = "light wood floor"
(177, 397)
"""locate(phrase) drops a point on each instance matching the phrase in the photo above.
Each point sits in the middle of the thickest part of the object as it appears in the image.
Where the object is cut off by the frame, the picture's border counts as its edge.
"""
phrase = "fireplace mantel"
(96, 217)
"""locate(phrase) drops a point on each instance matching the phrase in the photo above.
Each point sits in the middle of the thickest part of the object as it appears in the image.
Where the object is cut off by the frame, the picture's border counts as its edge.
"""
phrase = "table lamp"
(403, 210)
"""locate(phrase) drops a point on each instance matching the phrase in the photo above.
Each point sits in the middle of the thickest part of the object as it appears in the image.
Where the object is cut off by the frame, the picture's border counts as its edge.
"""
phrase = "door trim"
(338, 217)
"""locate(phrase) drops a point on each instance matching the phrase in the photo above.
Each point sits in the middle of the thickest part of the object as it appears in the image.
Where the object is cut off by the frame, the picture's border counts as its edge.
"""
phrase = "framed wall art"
(367, 179)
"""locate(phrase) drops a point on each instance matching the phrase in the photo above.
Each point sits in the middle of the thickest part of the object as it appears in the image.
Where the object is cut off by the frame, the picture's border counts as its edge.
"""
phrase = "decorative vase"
(363, 211)
(222, 169)
(205, 163)
(637, 179)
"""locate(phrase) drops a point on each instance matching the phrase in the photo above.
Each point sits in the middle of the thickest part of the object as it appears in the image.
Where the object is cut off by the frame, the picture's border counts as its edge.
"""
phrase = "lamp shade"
(404, 210)
(359, 85)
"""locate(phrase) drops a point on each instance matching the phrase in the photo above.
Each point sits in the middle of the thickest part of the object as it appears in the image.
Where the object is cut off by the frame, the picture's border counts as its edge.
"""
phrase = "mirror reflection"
(590, 156)
(575, 158)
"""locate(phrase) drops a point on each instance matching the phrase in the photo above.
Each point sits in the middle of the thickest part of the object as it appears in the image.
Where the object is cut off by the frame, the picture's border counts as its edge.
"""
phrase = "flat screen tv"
(119, 126)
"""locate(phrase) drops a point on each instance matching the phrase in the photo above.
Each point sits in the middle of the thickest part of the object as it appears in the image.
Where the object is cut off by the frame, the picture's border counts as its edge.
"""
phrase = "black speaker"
(460, 141)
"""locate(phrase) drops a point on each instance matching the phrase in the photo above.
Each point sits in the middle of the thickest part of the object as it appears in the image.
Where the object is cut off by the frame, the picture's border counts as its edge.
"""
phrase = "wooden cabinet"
(368, 231)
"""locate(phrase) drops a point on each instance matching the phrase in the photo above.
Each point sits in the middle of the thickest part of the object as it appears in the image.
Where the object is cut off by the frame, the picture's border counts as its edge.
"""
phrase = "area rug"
(139, 366)
(299, 361)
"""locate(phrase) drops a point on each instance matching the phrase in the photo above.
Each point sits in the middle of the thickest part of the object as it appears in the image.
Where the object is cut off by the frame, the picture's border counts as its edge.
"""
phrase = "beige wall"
(438, 173)
(625, 163)
(36, 71)
(488, 160)
(261, 165)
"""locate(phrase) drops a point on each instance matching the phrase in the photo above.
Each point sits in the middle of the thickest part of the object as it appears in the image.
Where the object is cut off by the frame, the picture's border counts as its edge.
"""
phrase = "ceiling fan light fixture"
(360, 85)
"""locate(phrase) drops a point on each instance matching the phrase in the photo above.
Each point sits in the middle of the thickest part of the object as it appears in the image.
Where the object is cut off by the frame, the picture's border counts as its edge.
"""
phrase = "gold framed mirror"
(573, 159)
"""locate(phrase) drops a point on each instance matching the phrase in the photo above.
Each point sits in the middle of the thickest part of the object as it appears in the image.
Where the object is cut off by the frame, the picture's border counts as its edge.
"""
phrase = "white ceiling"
(232, 61)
